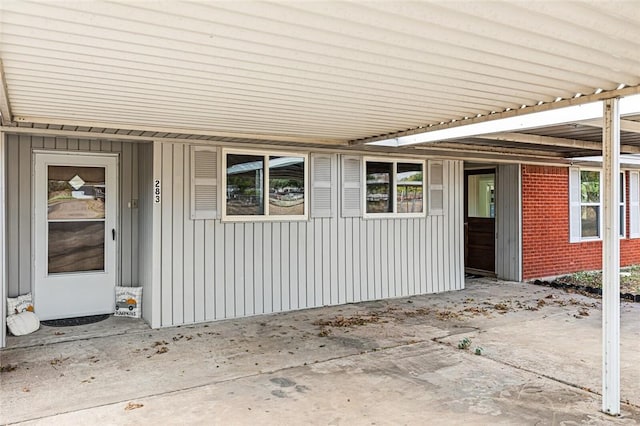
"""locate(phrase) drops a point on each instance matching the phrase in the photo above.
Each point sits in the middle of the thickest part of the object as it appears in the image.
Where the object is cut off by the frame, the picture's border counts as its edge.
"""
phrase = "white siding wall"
(145, 233)
(508, 223)
(208, 269)
(19, 201)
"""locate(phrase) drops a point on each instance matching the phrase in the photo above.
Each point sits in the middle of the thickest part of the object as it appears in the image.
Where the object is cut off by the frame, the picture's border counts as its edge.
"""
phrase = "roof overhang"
(312, 73)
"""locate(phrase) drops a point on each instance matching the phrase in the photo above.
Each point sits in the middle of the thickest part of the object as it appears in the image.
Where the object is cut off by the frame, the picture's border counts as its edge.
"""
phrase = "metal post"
(3, 241)
(611, 259)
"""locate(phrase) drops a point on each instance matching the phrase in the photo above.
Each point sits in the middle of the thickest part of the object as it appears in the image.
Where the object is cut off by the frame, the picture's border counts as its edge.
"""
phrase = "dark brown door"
(480, 223)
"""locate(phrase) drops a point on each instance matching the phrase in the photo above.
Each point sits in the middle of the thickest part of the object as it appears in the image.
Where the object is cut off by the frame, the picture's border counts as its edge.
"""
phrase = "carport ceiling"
(306, 71)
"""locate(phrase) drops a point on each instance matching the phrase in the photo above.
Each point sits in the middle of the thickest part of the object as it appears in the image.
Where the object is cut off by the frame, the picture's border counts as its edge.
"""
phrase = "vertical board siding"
(508, 222)
(214, 270)
(19, 197)
(145, 233)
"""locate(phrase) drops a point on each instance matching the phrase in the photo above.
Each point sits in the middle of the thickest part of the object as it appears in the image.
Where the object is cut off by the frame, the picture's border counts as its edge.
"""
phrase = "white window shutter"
(634, 205)
(351, 186)
(436, 188)
(204, 182)
(322, 203)
(575, 221)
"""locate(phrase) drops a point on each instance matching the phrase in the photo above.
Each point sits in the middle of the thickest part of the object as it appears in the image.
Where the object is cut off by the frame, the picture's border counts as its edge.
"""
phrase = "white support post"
(3, 241)
(611, 260)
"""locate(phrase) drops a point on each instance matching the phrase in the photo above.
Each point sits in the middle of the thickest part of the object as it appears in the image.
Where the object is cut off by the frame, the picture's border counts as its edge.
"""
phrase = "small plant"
(464, 343)
(478, 350)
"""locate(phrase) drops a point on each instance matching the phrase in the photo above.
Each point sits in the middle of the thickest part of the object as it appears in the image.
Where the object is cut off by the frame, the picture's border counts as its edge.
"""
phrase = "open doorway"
(493, 220)
(479, 221)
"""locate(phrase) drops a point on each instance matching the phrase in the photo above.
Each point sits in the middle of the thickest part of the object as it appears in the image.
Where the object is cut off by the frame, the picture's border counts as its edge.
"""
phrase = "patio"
(385, 362)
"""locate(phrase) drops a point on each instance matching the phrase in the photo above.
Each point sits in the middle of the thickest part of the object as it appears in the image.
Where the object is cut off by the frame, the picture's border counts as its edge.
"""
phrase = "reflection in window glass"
(590, 221)
(245, 180)
(76, 246)
(286, 186)
(409, 192)
(75, 193)
(590, 186)
(481, 195)
(379, 187)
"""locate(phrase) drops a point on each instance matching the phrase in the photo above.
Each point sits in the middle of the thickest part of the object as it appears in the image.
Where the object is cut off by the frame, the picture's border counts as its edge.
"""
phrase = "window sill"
(393, 215)
(249, 218)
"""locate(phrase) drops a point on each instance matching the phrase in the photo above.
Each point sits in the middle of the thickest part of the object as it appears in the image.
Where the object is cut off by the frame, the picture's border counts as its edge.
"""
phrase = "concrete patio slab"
(385, 362)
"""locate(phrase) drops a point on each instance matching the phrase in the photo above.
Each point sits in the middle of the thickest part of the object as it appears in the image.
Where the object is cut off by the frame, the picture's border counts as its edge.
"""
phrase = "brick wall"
(545, 228)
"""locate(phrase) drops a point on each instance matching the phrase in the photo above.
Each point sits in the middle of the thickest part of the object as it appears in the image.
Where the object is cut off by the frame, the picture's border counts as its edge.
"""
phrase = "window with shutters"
(394, 188)
(264, 186)
(204, 182)
(586, 204)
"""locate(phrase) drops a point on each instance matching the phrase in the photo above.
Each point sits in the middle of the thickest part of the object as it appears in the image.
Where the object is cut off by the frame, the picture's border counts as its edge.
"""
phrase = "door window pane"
(75, 193)
(286, 186)
(245, 180)
(409, 188)
(76, 246)
(481, 195)
(379, 187)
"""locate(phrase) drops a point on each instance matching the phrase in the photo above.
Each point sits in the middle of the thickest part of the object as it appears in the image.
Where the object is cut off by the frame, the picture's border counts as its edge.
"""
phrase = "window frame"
(622, 205)
(265, 217)
(395, 213)
(592, 204)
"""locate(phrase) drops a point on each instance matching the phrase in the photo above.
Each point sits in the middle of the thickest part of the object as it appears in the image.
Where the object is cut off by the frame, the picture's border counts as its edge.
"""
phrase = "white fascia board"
(629, 105)
(517, 123)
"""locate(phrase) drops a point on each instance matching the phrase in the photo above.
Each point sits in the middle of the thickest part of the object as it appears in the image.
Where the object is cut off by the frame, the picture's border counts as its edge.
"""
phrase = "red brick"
(545, 228)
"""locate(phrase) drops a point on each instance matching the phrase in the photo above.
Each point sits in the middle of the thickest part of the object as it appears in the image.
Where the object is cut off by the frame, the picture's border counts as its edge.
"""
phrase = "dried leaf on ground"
(132, 406)
(7, 367)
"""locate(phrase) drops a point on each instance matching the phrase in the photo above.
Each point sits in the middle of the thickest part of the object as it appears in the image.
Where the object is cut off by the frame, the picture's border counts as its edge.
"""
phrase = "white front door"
(75, 234)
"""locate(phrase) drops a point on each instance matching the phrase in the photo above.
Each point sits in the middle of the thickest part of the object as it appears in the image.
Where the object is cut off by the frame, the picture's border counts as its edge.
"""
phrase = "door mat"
(68, 322)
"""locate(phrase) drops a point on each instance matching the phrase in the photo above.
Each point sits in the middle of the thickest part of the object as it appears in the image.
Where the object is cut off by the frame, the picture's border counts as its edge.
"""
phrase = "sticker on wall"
(128, 302)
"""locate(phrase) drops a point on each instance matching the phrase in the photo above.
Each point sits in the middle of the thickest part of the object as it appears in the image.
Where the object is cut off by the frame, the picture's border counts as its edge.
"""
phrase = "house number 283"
(156, 191)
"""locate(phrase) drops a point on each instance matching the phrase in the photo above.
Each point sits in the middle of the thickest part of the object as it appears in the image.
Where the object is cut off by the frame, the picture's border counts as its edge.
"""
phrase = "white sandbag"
(15, 305)
(128, 302)
(23, 323)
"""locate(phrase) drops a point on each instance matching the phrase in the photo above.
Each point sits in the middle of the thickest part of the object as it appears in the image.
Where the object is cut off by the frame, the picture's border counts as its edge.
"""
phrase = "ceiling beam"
(470, 147)
(5, 106)
(133, 138)
(585, 99)
(625, 125)
(553, 141)
(183, 131)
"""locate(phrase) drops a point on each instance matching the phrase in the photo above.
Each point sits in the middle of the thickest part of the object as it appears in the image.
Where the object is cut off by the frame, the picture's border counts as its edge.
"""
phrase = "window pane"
(590, 221)
(409, 188)
(286, 186)
(379, 184)
(590, 186)
(622, 224)
(76, 246)
(75, 192)
(245, 180)
(481, 195)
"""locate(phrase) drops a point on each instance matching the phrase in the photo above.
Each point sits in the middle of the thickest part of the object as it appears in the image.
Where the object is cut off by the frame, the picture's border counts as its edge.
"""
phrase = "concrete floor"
(384, 362)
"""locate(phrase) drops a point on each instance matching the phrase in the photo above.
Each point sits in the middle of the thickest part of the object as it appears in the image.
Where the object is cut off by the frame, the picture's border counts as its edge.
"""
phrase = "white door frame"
(55, 289)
